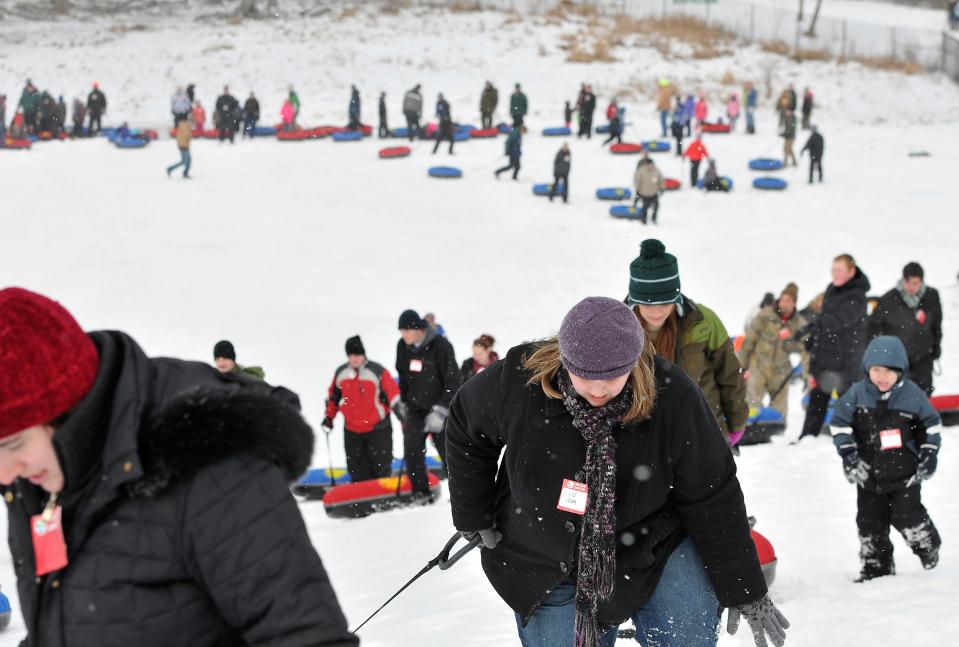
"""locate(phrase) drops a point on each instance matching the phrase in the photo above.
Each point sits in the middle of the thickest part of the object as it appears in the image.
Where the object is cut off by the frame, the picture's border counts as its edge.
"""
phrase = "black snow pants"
(414, 448)
(369, 455)
(903, 510)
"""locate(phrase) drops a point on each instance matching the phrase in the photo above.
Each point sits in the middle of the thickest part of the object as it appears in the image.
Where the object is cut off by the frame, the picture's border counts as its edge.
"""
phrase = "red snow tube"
(767, 556)
(294, 135)
(671, 184)
(948, 408)
(211, 134)
(484, 133)
(150, 133)
(715, 128)
(323, 131)
(17, 144)
(366, 497)
(394, 152)
(626, 149)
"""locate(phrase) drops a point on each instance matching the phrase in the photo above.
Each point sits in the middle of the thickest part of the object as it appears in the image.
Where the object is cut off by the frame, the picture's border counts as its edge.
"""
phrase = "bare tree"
(247, 9)
(61, 7)
(801, 5)
(811, 32)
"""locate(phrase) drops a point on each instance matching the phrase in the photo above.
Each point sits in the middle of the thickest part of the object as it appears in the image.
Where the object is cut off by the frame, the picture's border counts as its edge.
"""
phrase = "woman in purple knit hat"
(614, 498)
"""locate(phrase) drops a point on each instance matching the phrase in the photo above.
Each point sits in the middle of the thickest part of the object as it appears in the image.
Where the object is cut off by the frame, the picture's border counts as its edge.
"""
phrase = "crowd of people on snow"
(39, 112)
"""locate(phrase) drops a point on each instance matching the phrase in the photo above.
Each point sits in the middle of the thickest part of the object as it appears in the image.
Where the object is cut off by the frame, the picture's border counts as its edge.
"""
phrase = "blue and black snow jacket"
(887, 429)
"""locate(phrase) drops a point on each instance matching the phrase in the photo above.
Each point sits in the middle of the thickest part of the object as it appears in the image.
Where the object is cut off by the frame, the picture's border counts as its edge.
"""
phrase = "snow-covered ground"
(288, 249)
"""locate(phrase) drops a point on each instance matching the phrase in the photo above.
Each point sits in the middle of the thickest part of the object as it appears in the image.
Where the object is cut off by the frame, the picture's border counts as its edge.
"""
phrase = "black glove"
(928, 459)
(763, 618)
(436, 420)
(327, 424)
(855, 469)
(489, 536)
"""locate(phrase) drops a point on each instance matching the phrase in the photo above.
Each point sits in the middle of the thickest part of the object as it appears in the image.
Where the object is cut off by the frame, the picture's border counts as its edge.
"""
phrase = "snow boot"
(929, 559)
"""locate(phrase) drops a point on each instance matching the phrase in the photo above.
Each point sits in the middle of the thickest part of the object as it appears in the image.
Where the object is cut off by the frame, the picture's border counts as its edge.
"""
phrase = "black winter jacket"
(815, 145)
(893, 317)
(251, 109)
(180, 528)
(561, 163)
(225, 105)
(675, 477)
(428, 373)
(838, 336)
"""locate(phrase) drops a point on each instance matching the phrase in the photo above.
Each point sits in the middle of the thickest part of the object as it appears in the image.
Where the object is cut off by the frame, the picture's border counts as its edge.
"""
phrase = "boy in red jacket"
(696, 152)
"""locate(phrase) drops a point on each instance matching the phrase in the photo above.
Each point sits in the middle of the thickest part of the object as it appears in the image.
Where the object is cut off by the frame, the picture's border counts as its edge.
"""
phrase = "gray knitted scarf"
(596, 572)
(912, 300)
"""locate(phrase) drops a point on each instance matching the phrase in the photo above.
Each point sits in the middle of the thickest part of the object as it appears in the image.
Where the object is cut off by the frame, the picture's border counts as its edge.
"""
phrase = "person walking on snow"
(365, 393)
(96, 108)
(514, 150)
(615, 115)
(696, 152)
(648, 182)
(816, 147)
(751, 97)
(518, 106)
(669, 548)
(689, 113)
(732, 111)
(183, 137)
(488, 101)
(561, 165)
(789, 137)
(382, 130)
(664, 101)
(413, 111)
(676, 126)
(567, 114)
(445, 129)
(888, 436)
(354, 109)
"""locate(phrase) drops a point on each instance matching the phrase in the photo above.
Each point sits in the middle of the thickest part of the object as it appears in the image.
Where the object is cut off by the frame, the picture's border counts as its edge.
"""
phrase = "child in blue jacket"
(887, 434)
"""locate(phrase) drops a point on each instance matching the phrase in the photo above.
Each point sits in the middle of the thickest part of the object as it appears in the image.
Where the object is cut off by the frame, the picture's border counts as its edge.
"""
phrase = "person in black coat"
(912, 311)
(650, 523)
(226, 106)
(561, 173)
(836, 340)
(816, 146)
(96, 108)
(429, 376)
(383, 130)
(251, 115)
(166, 484)
(445, 129)
(586, 109)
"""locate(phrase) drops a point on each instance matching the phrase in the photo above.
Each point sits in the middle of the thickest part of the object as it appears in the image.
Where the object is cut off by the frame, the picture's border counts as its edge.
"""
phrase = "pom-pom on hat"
(654, 276)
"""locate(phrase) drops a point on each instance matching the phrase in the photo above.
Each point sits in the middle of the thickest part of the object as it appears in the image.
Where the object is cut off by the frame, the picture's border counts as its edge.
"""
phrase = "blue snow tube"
(264, 131)
(461, 136)
(465, 128)
(543, 189)
(504, 128)
(727, 181)
(348, 136)
(654, 146)
(399, 133)
(626, 211)
(556, 132)
(769, 184)
(108, 132)
(765, 164)
(445, 172)
(602, 130)
(5, 611)
(130, 142)
(614, 193)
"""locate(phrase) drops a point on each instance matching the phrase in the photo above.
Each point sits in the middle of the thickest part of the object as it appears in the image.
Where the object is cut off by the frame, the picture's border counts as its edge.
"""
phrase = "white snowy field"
(289, 248)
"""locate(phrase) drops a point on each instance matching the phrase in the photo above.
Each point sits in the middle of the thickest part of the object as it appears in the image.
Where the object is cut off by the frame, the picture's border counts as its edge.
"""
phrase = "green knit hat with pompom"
(653, 276)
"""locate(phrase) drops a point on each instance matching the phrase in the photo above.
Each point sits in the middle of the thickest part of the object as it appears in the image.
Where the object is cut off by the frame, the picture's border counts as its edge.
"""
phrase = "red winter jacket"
(364, 396)
(696, 151)
(611, 111)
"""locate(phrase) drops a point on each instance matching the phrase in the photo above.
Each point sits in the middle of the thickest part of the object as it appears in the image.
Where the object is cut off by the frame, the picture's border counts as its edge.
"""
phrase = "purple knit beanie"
(600, 339)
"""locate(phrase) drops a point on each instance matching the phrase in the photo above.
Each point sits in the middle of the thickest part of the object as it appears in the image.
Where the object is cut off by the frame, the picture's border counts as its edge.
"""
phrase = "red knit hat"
(47, 363)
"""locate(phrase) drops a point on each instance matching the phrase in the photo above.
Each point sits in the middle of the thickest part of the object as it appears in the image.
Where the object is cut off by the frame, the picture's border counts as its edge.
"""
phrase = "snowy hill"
(289, 248)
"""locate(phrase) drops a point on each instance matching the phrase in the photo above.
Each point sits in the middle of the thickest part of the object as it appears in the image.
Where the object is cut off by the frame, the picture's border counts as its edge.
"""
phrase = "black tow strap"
(443, 560)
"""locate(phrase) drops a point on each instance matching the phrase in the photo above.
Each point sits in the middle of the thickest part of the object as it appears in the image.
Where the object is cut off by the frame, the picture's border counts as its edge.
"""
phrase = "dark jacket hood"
(888, 351)
(859, 281)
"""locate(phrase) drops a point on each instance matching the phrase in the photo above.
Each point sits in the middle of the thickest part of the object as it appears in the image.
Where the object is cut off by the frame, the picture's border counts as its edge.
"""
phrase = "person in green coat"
(518, 106)
(688, 334)
(30, 102)
(224, 356)
(488, 101)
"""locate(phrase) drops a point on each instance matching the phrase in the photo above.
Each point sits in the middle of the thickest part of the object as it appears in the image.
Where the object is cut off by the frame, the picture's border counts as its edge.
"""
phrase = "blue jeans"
(663, 119)
(184, 162)
(750, 124)
(682, 612)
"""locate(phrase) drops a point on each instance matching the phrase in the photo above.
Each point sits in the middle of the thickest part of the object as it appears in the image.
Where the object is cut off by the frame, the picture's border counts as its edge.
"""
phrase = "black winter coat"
(180, 528)
(225, 105)
(838, 336)
(561, 163)
(688, 487)
(428, 373)
(816, 146)
(96, 102)
(251, 109)
(893, 317)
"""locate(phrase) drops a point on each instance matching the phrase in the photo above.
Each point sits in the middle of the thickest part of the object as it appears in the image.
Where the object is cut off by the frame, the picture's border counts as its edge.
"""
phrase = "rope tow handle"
(443, 560)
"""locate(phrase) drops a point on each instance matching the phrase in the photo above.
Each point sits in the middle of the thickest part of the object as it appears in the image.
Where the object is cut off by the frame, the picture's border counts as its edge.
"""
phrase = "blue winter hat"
(887, 351)
(600, 339)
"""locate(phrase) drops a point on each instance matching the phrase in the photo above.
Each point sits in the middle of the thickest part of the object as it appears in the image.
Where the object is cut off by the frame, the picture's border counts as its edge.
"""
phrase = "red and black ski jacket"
(364, 396)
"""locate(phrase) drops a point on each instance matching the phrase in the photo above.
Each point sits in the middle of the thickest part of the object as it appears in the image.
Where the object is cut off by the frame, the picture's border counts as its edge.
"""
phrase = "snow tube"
(108, 132)
(17, 144)
(602, 130)
(294, 135)
(625, 211)
(394, 152)
(485, 133)
(5, 612)
(767, 557)
(769, 184)
(429, 131)
(715, 128)
(948, 408)
(363, 498)
(614, 193)
(400, 133)
(213, 133)
(264, 131)
(466, 128)
(556, 132)
(445, 172)
(544, 189)
(765, 164)
(324, 131)
(314, 484)
(147, 133)
(504, 128)
(762, 425)
(130, 142)
(626, 149)
(654, 146)
(726, 181)
(671, 184)
(461, 136)
(348, 136)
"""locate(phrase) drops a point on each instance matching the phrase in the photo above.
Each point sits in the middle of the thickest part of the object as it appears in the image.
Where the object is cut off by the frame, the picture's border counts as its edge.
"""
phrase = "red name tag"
(573, 497)
(49, 546)
(890, 439)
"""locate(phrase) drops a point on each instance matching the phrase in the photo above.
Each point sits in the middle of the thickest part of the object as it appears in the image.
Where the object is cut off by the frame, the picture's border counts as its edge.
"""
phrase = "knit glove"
(402, 411)
(735, 436)
(763, 618)
(436, 420)
(855, 469)
(489, 536)
(928, 459)
(327, 424)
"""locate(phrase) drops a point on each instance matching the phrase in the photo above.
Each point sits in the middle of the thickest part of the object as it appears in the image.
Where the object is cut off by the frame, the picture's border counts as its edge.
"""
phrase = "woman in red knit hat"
(148, 498)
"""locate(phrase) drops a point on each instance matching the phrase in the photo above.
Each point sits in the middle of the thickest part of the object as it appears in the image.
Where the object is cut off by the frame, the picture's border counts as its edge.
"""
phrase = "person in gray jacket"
(413, 110)
(648, 182)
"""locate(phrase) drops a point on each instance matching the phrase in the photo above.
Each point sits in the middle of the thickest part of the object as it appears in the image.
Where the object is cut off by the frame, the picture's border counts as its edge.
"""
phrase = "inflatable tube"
(395, 152)
(614, 193)
(556, 132)
(948, 408)
(602, 130)
(107, 132)
(625, 211)
(131, 142)
(626, 149)
(348, 136)
(316, 482)
(485, 133)
(504, 128)
(466, 128)
(363, 498)
(429, 131)
(17, 144)
(718, 128)
(544, 189)
(263, 131)
(769, 184)
(765, 164)
(727, 181)
(211, 134)
(762, 425)
(400, 133)
(294, 135)
(767, 557)
(445, 172)
(461, 136)
(671, 184)
(5, 612)
(654, 146)
(148, 133)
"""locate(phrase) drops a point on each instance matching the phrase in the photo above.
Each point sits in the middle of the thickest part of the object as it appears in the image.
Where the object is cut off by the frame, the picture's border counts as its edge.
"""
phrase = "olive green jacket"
(764, 351)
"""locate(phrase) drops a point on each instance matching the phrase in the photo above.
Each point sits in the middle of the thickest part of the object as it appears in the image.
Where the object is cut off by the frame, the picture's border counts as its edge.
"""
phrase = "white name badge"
(416, 366)
(572, 498)
(890, 439)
